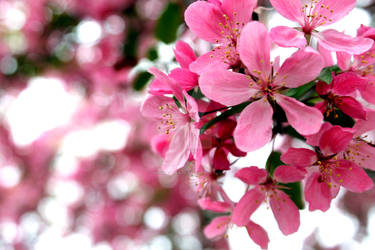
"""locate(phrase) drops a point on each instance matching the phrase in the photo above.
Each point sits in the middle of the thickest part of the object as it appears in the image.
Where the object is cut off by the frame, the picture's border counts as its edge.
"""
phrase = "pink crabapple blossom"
(326, 168)
(263, 84)
(265, 189)
(218, 22)
(312, 14)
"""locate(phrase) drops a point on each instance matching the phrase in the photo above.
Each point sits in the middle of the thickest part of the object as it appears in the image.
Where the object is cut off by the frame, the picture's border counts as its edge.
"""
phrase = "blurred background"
(76, 168)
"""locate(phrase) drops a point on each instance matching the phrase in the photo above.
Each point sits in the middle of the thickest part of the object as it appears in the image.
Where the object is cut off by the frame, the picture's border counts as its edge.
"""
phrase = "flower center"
(315, 14)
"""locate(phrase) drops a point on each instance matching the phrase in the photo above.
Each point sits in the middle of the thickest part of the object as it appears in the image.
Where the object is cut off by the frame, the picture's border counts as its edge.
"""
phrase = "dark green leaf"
(141, 80)
(300, 91)
(234, 110)
(168, 23)
(294, 191)
(273, 162)
(130, 45)
(177, 102)
(152, 54)
(62, 21)
(196, 93)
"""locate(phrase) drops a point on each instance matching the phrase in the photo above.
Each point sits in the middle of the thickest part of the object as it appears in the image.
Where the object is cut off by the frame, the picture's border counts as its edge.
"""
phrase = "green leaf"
(234, 110)
(141, 80)
(196, 93)
(152, 54)
(326, 74)
(293, 190)
(300, 91)
(131, 44)
(273, 162)
(168, 23)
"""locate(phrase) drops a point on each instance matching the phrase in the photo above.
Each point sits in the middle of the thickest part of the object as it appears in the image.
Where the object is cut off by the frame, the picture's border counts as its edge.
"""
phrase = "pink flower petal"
(195, 146)
(306, 120)
(254, 126)
(246, 207)
(285, 211)
(176, 89)
(212, 60)
(317, 193)
(352, 177)
(178, 151)
(215, 85)
(323, 88)
(185, 78)
(215, 206)
(251, 175)
(314, 139)
(362, 126)
(158, 87)
(290, 9)
(302, 67)
(203, 19)
(217, 227)
(287, 174)
(258, 234)
(287, 37)
(336, 9)
(220, 160)
(184, 54)
(343, 60)
(327, 56)
(254, 49)
(335, 140)
(301, 157)
(160, 144)
(239, 10)
(351, 107)
(191, 107)
(347, 83)
(333, 40)
(369, 93)
(153, 106)
(362, 154)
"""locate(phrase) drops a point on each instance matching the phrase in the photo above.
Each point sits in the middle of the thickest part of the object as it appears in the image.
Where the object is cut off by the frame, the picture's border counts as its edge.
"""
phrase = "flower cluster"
(239, 97)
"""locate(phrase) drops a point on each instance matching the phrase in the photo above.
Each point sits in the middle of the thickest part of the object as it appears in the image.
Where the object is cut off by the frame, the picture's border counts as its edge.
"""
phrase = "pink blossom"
(362, 65)
(218, 22)
(312, 14)
(179, 123)
(220, 138)
(327, 168)
(263, 84)
(219, 225)
(183, 76)
(266, 189)
(338, 93)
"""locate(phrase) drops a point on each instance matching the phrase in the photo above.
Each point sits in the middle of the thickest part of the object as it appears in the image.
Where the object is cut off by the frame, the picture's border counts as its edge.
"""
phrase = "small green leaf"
(152, 54)
(300, 91)
(131, 44)
(294, 191)
(168, 23)
(196, 93)
(234, 110)
(141, 80)
(326, 74)
(273, 162)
